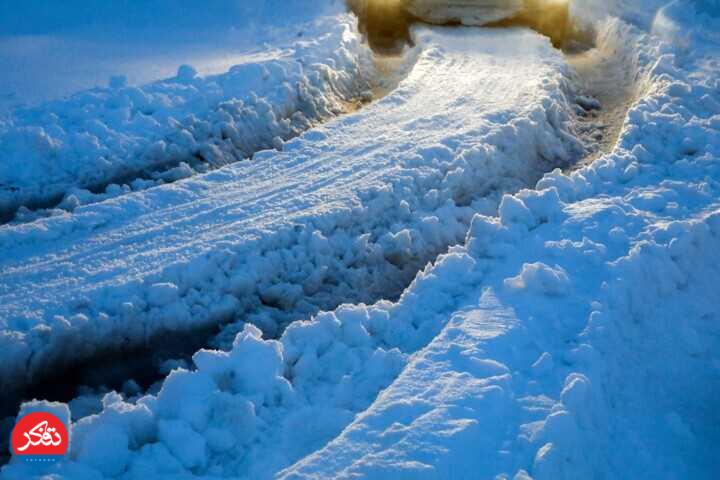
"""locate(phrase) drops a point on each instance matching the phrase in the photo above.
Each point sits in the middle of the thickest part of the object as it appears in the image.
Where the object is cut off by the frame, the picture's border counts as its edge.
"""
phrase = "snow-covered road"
(349, 211)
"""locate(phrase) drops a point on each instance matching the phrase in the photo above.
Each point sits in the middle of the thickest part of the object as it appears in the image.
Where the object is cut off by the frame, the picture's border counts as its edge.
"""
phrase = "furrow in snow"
(610, 84)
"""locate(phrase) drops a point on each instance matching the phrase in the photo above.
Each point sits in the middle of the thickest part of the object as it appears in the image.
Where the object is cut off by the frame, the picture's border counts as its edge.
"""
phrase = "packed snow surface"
(570, 332)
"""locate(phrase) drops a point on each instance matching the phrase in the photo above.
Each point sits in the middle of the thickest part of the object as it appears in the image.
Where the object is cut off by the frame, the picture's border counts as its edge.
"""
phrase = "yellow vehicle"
(384, 20)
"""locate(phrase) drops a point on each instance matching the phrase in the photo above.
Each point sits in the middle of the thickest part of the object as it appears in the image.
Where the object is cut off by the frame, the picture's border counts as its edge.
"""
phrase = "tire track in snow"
(605, 67)
(608, 79)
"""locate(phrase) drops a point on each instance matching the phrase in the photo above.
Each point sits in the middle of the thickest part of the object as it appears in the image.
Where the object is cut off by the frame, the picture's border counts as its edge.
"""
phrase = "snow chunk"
(257, 364)
(543, 365)
(183, 442)
(540, 278)
(161, 294)
(186, 395)
(514, 211)
(105, 448)
(186, 73)
(576, 392)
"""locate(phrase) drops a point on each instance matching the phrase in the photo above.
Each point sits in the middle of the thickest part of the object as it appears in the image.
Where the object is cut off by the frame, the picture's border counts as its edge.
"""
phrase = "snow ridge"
(118, 133)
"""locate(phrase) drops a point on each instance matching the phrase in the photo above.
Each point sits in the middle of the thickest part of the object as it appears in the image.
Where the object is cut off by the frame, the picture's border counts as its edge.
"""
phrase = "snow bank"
(410, 192)
(116, 133)
(671, 20)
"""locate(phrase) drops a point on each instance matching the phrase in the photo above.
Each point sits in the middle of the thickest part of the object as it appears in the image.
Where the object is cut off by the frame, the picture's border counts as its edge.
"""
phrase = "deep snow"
(572, 334)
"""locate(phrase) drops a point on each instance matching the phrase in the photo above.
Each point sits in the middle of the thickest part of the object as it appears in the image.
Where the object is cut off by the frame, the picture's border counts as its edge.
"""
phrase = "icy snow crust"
(350, 211)
(117, 133)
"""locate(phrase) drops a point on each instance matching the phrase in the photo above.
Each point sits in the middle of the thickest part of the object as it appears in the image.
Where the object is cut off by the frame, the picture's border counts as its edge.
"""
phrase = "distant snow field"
(475, 300)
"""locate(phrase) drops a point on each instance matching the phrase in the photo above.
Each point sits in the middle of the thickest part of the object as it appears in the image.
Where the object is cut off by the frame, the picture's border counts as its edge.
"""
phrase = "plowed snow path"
(343, 210)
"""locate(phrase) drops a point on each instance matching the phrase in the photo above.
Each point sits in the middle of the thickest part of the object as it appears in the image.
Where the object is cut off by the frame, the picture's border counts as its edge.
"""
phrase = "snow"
(540, 278)
(426, 176)
(636, 340)
(298, 229)
(133, 42)
(566, 327)
(112, 133)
